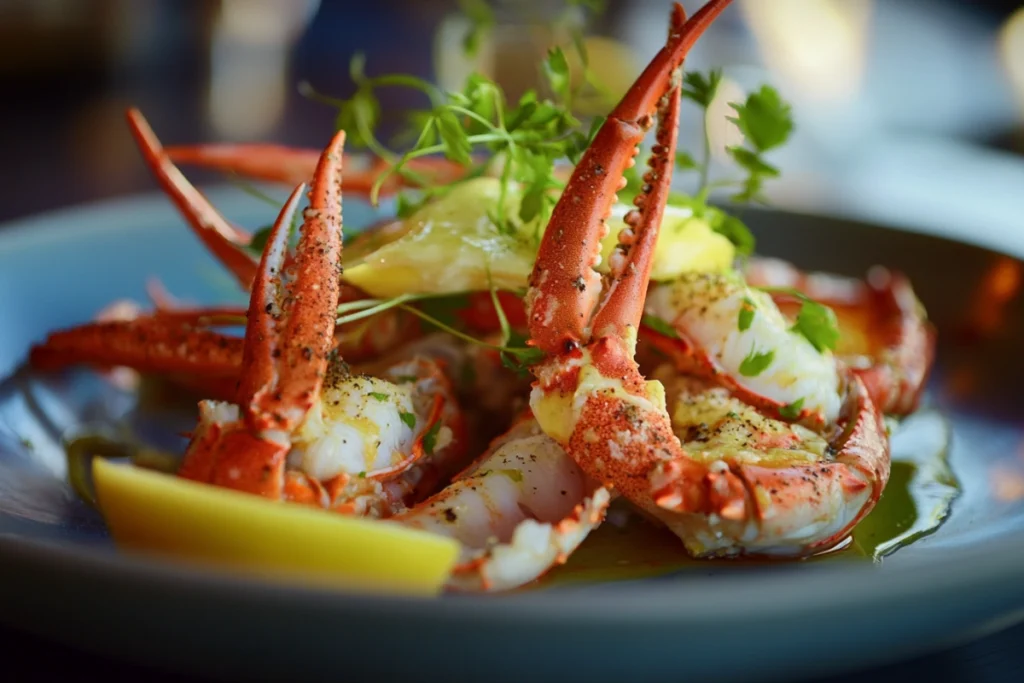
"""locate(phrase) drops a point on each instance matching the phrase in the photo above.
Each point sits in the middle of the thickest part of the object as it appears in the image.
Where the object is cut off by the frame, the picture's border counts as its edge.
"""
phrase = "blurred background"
(908, 111)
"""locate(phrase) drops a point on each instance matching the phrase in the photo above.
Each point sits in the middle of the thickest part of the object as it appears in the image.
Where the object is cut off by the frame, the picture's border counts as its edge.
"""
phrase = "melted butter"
(81, 450)
(557, 413)
(918, 498)
(920, 493)
(916, 501)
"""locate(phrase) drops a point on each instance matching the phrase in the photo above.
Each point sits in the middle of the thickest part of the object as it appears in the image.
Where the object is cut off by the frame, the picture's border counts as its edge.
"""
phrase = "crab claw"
(589, 394)
(288, 338)
(564, 286)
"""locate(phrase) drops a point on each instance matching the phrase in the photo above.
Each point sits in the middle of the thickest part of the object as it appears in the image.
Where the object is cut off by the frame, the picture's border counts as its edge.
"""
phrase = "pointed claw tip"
(678, 16)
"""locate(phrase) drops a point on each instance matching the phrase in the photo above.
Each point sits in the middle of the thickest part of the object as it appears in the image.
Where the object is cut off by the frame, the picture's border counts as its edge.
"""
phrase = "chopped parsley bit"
(430, 438)
(815, 321)
(514, 475)
(791, 411)
(659, 325)
(409, 419)
(406, 379)
(756, 363)
(362, 475)
(379, 395)
(746, 316)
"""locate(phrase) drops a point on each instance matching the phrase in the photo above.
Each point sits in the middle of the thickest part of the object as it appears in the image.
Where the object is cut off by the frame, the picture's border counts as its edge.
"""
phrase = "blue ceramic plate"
(60, 575)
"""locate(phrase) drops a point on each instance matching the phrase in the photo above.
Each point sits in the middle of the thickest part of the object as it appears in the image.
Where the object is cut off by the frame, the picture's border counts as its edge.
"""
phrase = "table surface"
(996, 659)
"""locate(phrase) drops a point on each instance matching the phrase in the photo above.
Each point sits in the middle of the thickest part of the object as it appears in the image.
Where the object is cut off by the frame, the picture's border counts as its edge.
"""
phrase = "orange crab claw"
(564, 285)
(224, 240)
(291, 165)
(288, 337)
(291, 323)
(590, 396)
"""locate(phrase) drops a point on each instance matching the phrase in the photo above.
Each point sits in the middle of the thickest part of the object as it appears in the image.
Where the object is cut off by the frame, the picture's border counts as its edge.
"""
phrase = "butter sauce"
(916, 501)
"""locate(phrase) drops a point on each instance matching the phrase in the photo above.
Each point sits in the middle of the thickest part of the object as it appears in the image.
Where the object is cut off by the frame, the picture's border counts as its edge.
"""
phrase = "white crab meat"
(362, 425)
(795, 486)
(759, 351)
(521, 509)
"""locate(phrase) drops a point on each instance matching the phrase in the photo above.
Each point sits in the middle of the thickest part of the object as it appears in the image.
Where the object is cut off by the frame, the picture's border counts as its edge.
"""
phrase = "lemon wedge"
(157, 514)
(451, 245)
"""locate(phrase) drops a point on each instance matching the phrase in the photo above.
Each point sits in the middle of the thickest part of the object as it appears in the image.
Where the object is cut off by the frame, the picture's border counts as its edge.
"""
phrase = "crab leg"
(222, 238)
(886, 337)
(144, 344)
(291, 165)
(590, 396)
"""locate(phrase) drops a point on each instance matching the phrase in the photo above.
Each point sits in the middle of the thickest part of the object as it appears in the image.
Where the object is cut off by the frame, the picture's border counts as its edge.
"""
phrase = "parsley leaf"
(746, 316)
(662, 327)
(379, 395)
(556, 69)
(454, 139)
(700, 88)
(518, 357)
(791, 411)
(409, 419)
(430, 438)
(817, 322)
(764, 119)
(755, 363)
(685, 161)
(737, 232)
(481, 20)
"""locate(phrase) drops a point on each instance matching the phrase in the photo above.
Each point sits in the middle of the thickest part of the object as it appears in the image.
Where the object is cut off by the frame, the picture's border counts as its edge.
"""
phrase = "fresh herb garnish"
(481, 20)
(408, 418)
(430, 438)
(791, 411)
(766, 123)
(379, 395)
(756, 362)
(659, 325)
(746, 315)
(815, 321)
(514, 352)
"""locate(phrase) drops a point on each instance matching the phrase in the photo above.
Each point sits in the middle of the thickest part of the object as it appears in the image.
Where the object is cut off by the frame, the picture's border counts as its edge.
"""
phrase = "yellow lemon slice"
(157, 514)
